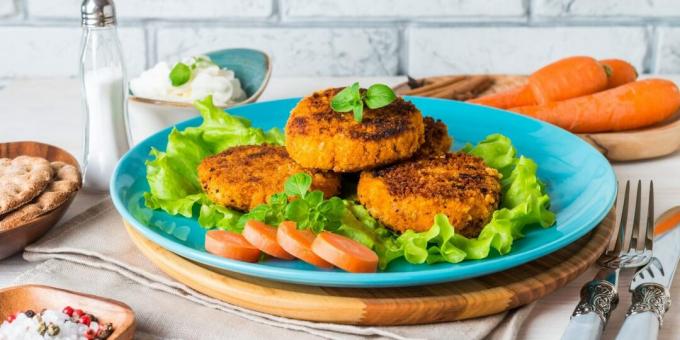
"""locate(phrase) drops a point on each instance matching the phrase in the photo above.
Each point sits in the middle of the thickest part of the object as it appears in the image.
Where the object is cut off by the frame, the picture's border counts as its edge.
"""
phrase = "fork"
(626, 249)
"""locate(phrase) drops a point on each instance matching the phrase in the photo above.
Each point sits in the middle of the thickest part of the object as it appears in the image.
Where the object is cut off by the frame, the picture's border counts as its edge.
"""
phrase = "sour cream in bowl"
(163, 95)
(202, 79)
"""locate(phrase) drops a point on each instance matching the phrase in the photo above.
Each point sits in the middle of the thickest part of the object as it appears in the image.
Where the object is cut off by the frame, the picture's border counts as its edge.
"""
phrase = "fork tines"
(629, 238)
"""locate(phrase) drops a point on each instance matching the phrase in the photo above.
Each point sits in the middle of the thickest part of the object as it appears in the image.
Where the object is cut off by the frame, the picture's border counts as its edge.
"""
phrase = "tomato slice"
(345, 253)
(230, 245)
(263, 237)
(299, 243)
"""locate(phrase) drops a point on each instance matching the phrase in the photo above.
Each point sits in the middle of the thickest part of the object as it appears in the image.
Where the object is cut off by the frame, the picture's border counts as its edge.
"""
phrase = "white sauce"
(206, 79)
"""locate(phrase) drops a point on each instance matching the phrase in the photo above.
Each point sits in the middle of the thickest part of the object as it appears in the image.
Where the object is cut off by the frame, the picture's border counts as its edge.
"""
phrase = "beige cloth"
(92, 253)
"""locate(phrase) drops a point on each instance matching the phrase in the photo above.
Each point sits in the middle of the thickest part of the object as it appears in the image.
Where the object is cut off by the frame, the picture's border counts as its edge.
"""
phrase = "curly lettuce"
(172, 176)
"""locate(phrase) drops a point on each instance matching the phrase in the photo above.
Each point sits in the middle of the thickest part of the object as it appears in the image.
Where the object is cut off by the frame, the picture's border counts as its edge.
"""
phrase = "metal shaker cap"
(98, 13)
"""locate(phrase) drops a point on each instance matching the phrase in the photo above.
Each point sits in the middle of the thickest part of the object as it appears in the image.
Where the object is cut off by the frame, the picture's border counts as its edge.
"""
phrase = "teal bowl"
(148, 115)
(252, 67)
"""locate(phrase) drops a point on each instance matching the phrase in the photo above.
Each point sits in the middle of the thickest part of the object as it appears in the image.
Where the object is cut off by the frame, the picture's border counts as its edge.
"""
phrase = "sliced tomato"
(263, 237)
(345, 253)
(230, 245)
(299, 243)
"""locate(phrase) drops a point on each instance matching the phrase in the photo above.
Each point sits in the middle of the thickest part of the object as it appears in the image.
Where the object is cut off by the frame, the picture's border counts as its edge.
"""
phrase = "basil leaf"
(298, 211)
(314, 198)
(180, 74)
(358, 110)
(298, 185)
(346, 99)
(379, 95)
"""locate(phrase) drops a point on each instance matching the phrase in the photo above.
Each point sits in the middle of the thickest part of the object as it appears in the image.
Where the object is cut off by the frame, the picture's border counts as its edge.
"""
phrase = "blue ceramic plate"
(579, 179)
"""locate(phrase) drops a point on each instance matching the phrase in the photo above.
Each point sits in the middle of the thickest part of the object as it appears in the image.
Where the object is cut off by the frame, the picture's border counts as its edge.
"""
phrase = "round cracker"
(66, 183)
(21, 180)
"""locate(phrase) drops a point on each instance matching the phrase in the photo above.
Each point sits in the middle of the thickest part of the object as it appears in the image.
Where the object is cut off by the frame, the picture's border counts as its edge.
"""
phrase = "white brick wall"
(517, 49)
(54, 51)
(336, 51)
(668, 56)
(7, 8)
(607, 8)
(353, 37)
(442, 9)
(167, 9)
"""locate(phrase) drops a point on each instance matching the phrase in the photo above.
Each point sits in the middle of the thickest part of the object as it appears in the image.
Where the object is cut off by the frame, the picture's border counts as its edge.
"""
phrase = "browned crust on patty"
(318, 137)
(243, 177)
(408, 195)
(437, 140)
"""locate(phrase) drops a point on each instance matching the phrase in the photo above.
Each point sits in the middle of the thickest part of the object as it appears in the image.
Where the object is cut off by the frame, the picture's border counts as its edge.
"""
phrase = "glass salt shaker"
(104, 88)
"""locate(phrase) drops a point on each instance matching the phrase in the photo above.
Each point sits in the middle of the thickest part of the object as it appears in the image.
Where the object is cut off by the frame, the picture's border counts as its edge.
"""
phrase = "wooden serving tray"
(650, 142)
(459, 300)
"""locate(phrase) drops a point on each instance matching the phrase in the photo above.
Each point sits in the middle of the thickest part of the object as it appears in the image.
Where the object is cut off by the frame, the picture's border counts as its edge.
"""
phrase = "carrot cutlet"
(437, 140)
(318, 137)
(408, 195)
(243, 177)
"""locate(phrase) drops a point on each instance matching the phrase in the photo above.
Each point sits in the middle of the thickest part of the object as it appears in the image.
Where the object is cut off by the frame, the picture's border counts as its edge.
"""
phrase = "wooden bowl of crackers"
(37, 184)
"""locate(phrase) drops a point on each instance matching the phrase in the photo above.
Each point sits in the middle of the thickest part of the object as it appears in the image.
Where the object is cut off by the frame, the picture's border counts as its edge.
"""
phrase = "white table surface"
(48, 110)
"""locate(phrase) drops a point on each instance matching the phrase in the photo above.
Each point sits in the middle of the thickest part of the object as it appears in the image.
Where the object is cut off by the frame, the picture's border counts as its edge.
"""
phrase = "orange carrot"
(667, 221)
(299, 244)
(263, 237)
(518, 96)
(620, 72)
(345, 253)
(230, 245)
(567, 78)
(630, 106)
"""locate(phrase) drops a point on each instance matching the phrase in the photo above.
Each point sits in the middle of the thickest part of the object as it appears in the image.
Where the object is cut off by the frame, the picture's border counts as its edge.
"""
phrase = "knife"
(651, 284)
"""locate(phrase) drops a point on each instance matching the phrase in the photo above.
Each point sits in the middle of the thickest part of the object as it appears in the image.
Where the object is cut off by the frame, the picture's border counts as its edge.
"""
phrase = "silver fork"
(626, 249)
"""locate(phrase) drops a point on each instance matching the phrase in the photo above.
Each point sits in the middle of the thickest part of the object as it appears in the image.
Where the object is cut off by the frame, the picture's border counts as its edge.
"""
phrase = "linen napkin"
(92, 253)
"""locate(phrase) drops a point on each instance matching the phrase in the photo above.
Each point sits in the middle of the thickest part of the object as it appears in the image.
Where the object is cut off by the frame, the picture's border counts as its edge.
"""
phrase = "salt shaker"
(104, 88)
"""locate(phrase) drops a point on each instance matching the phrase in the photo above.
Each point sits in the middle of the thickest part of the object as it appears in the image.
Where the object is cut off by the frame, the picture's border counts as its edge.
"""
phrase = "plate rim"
(360, 280)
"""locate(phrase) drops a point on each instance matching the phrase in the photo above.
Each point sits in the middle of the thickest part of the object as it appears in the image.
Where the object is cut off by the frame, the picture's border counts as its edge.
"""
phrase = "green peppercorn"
(106, 332)
(42, 328)
(52, 329)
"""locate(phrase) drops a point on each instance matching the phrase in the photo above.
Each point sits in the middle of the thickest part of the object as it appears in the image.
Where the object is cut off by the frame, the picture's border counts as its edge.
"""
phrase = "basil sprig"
(310, 210)
(181, 72)
(351, 99)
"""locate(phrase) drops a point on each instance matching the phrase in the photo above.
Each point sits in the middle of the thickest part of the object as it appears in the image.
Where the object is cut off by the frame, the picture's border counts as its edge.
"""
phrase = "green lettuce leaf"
(172, 176)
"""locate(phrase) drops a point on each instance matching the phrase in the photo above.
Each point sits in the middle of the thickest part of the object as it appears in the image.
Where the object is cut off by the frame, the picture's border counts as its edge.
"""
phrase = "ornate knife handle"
(599, 297)
(650, 297)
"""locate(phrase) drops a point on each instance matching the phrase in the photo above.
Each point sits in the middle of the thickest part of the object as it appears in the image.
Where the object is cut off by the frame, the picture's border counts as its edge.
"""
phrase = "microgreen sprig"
(351, 99)
(308, 208)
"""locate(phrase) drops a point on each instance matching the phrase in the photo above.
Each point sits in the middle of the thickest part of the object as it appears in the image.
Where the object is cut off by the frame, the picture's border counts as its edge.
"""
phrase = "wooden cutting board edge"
(460, 300)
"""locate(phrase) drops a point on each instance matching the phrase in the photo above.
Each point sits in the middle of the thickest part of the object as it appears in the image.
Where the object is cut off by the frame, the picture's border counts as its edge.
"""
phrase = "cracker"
(66, 183)
(21, 180)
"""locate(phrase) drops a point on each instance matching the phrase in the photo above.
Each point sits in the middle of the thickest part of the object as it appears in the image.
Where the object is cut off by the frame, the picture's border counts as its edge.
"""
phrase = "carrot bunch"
(583, 95)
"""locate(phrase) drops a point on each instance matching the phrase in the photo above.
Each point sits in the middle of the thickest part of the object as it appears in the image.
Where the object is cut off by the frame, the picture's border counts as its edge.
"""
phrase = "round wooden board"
(460, 300)
(655, 141)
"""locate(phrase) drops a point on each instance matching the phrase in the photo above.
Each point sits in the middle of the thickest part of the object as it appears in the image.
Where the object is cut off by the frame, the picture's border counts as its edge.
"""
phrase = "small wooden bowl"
(37, 298)
(17, 238)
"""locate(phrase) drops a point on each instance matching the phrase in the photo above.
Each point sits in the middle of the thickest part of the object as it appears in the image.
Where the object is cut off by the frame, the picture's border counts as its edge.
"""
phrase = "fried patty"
(437, 140)
(243, 177)
(407, 196)
(318, 137)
